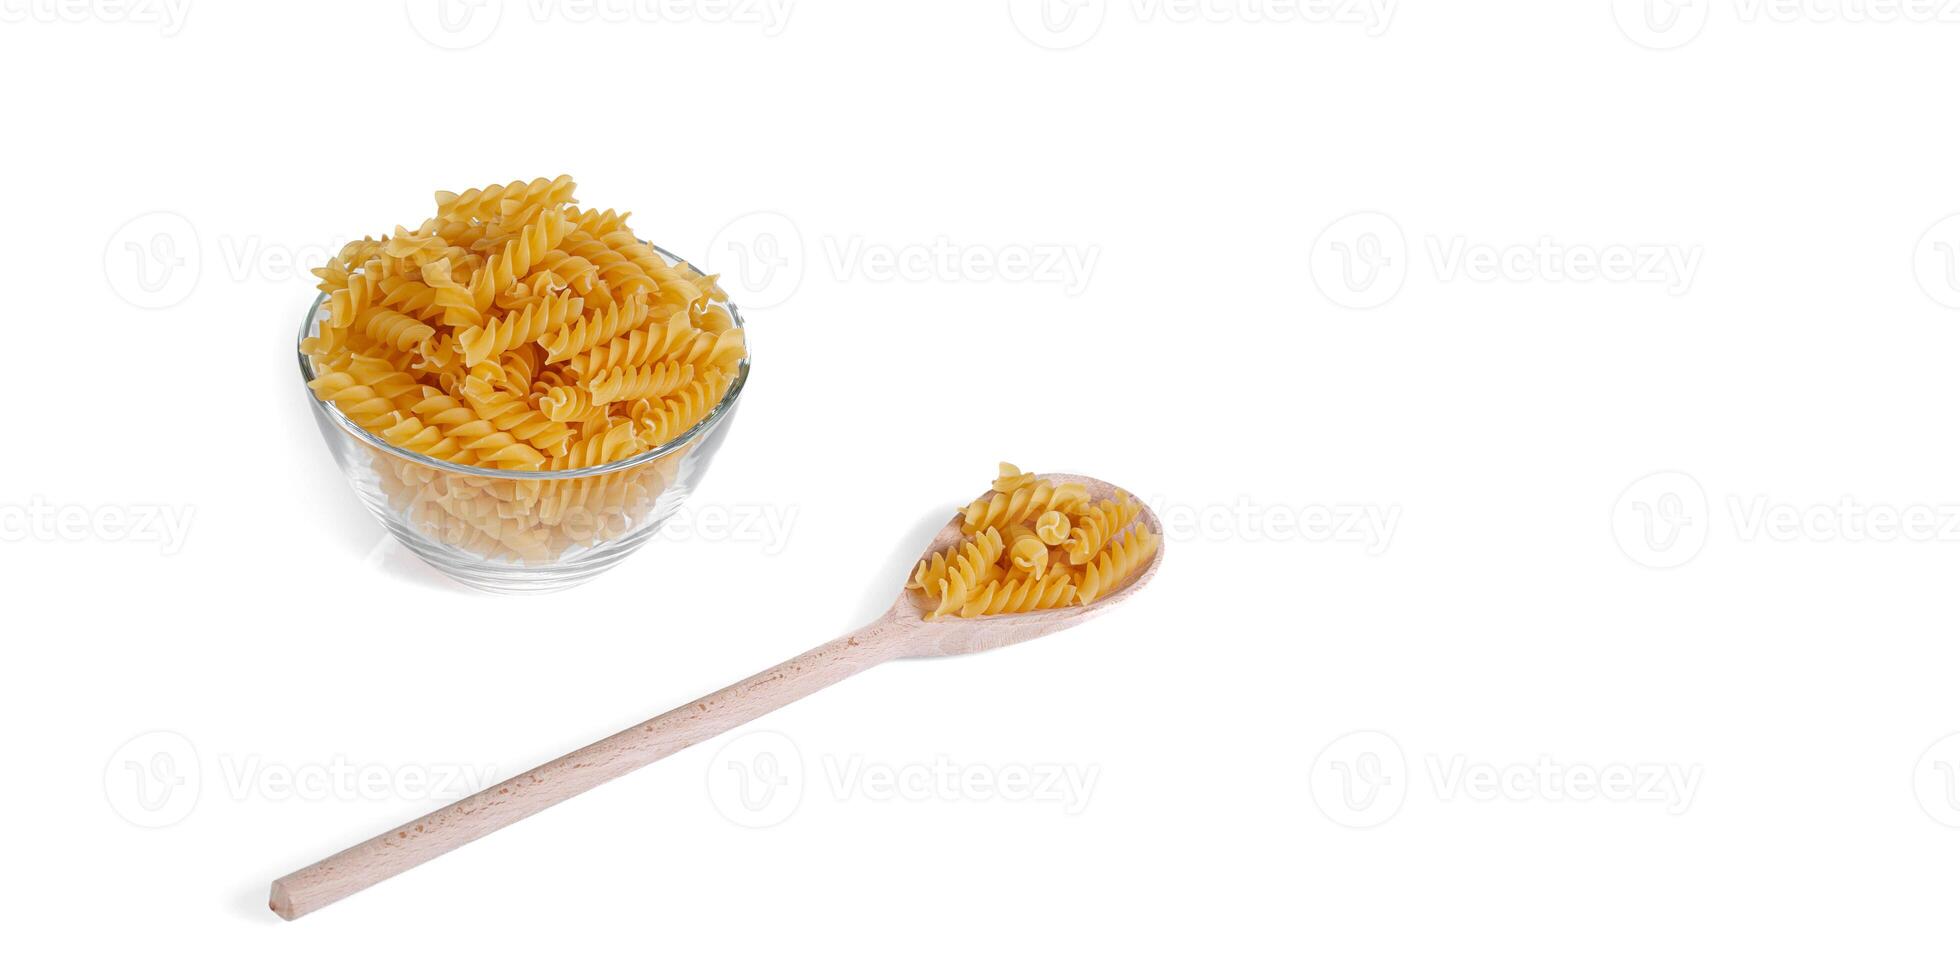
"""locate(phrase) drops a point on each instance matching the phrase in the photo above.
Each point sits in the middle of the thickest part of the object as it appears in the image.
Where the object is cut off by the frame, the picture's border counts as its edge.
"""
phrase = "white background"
(1603, 245)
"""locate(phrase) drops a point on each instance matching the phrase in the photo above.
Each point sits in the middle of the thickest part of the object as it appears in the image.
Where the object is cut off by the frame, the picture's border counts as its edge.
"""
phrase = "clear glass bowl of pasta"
(520, 531)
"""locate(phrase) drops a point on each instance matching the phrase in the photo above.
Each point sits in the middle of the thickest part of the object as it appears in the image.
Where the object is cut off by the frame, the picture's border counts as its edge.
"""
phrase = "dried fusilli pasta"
(515, 330)
(1052, 527)
(515, 278)
(1017, 553)
(1026, 551)
(1114, 563)
(1027, 500)
(1097, 524)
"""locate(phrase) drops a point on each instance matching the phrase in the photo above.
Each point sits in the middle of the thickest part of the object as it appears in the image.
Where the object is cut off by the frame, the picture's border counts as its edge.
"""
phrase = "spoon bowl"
(951, 635)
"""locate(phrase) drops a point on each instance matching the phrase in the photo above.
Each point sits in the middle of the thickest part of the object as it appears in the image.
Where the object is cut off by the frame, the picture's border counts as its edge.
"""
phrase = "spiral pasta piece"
(525, 326)
(482, 203)
(1113, 564)
(333, 275)
(1011, 479)
(419, 249)
(440, 408)
(514, 415)
(351, 256)
(438, 354)
(348, 303)
(961, 584)
(672, 283)
(1026, 552)
(417, 299)
(715, 319)
(566, 403)
(595, 328)
(1000, 509)
(673, 416)
(1097, 524)
(386, 377)
(978, 552)
(483, 444)
(357, 401)
(538, 196)
(397, 330)
(533, 288)
(597, 224)
(616, 270)
(455, 300)
(610, 444)
(656, 340)
(417, 436)
(456, 231)
(1052, 527)
(516, 258)
(578, 275)
(628, 384)
(723, 350)
(1015, 595)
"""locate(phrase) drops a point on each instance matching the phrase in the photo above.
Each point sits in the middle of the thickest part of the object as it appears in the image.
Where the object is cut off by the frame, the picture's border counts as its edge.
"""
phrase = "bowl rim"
(708, 421)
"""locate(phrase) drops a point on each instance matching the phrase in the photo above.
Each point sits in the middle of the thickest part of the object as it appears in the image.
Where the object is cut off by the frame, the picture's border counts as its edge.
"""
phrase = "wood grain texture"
(901, 632)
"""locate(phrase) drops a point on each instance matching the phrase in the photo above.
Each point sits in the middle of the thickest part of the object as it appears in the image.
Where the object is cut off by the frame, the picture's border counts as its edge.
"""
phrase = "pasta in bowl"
(520, 391)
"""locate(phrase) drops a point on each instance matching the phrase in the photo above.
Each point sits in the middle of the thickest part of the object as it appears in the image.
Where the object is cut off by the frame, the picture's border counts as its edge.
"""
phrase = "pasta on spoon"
(1032, 544)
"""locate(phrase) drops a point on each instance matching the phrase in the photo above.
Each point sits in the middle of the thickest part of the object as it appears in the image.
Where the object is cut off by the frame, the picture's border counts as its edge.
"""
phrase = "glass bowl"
(518, 531)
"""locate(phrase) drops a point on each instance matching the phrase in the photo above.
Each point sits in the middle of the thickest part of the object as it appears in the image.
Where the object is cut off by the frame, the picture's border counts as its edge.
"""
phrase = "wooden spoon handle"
(561, 779)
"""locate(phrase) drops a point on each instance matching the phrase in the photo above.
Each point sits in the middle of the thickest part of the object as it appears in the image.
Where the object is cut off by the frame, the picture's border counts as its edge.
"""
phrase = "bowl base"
(507, 578)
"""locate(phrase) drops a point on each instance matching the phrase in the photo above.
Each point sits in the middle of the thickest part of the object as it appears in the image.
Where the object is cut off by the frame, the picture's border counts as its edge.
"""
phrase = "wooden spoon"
(901, 632)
